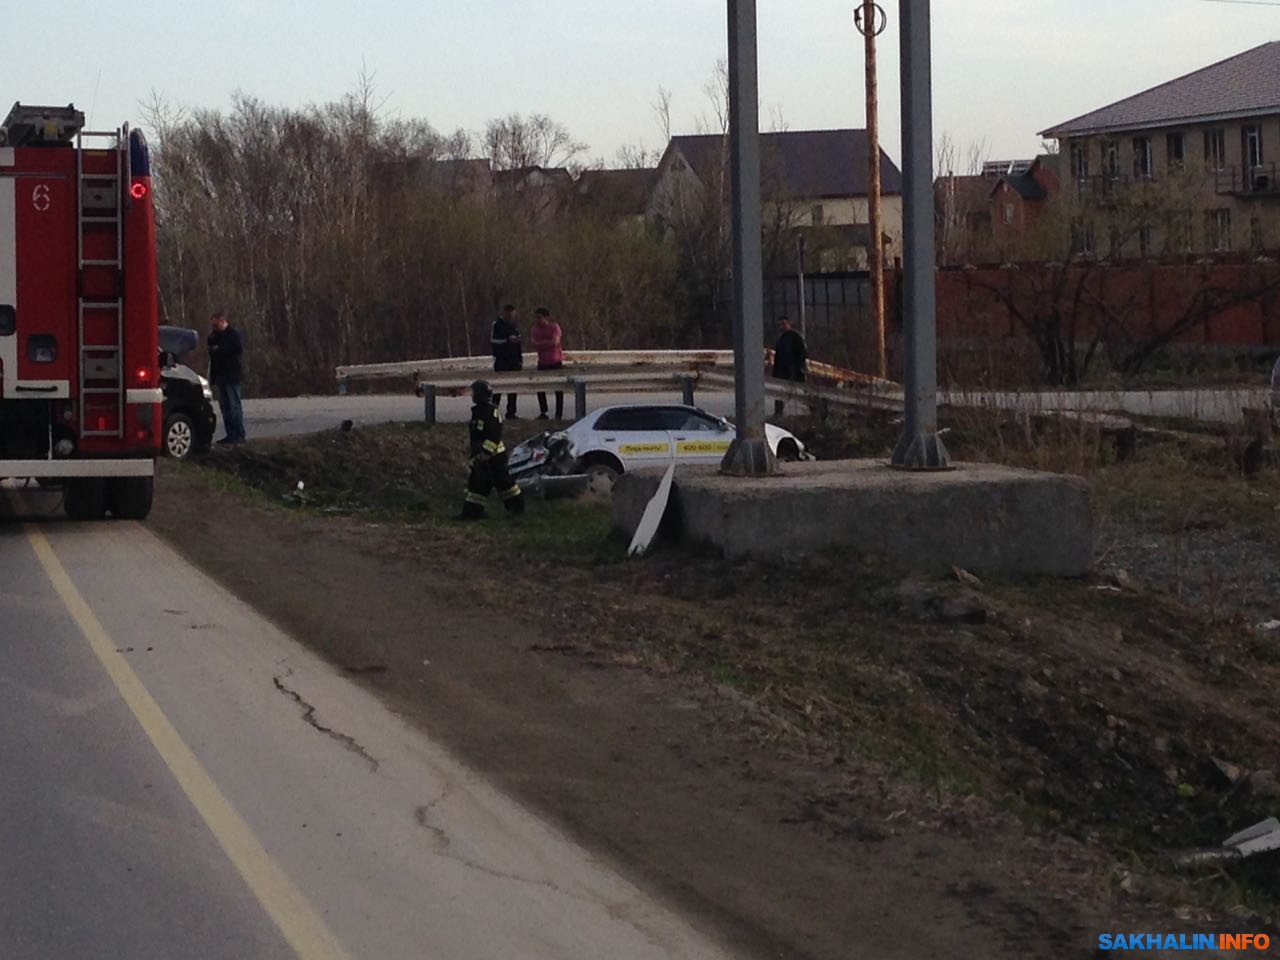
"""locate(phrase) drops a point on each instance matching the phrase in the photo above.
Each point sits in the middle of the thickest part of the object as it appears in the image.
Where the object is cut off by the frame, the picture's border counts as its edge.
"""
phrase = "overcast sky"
(1003, 69)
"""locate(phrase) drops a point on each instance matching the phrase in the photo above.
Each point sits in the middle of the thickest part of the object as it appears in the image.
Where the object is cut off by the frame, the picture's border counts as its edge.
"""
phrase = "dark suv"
(189, 420)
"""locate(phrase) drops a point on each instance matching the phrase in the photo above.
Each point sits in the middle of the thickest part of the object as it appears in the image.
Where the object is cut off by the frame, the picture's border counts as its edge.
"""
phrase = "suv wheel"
(179, 436)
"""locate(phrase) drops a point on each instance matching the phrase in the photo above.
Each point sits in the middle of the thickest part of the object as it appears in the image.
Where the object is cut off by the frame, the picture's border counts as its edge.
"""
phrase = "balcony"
(1260, 181)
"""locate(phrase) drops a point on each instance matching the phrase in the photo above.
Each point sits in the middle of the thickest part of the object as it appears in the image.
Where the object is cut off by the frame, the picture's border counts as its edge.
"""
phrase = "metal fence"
(839, 324)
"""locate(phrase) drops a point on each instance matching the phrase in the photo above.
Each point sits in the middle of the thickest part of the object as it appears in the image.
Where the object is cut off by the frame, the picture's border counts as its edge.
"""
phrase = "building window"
(1144, 240)
(1115, 244)
(1257, 240)
(1008, 213)
(1111, 159)
(1215, 149)
(1178, 238)
(1176, 148)
(1083, 241)
(817, 215)
(1217, 224)
(1252, 147)
(1080, 160)
(1142, 166)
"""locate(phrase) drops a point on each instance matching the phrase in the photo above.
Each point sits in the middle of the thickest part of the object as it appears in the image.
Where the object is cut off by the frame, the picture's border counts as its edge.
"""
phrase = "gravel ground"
(1223, 572)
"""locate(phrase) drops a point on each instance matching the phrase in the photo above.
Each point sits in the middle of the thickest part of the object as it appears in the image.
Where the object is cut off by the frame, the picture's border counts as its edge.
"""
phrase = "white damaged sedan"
(608, 442)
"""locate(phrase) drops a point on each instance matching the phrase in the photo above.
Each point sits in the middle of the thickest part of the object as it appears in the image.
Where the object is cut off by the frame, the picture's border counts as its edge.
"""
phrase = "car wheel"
(179, 436)
(788, 451)
(600, 478)
(85, 498)
(131, 497)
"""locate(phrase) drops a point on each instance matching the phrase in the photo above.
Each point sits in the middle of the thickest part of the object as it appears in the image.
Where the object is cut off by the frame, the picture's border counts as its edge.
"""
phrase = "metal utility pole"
(749, 455)
(920, 447)
(870, 21)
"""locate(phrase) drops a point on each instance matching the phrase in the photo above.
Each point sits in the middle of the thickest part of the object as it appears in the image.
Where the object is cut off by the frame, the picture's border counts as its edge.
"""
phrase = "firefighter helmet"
(481, 392)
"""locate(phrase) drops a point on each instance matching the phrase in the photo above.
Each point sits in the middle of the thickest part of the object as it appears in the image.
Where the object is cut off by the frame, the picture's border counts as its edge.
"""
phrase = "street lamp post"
(749, 454)
(920, 447)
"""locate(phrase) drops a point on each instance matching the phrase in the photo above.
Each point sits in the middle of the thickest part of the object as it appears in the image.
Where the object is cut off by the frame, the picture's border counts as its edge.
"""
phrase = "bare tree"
(662, 113)
(317, 230)
(716, 90)
(514, 142)
(952, 204)
(636, 156)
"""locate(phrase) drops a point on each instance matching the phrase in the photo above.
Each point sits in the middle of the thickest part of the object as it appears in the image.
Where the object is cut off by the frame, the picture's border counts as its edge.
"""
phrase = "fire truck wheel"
(131, 497)
(85, 498)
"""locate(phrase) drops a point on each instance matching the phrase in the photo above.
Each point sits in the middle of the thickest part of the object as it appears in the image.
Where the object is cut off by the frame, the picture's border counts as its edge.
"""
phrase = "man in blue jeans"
(225, 374)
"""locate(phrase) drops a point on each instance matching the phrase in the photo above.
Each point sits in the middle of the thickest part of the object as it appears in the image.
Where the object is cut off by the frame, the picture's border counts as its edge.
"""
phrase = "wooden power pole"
(870, 22)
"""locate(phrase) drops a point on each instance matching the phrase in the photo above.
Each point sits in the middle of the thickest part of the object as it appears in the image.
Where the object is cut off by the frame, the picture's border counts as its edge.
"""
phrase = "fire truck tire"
(85, 498)
(131, 497)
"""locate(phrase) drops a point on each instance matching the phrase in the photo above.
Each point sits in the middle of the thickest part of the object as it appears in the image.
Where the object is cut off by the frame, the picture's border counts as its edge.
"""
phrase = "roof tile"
(1248, 83)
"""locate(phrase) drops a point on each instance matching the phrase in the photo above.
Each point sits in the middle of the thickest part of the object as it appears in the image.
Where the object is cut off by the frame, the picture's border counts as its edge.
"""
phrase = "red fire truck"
(80, 396)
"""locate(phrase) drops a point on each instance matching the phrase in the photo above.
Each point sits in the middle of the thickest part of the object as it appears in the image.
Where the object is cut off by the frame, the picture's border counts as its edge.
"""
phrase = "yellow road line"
(301, 926)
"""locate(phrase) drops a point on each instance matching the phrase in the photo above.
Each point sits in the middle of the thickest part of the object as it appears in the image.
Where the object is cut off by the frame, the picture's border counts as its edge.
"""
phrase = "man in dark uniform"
(508, 352)
(790, 358)
(488, 458)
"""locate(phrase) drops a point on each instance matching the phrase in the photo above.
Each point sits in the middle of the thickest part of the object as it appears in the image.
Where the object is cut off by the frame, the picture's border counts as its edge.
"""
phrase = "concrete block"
(982, 517)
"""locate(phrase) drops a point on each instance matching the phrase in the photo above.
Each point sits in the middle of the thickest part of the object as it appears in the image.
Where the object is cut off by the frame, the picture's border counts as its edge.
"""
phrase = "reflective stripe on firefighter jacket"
(486, 431)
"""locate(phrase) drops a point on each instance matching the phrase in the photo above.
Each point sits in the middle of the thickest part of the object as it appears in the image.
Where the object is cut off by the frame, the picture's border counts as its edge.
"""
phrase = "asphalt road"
(181, 779)
(295, 415)
(299, 415)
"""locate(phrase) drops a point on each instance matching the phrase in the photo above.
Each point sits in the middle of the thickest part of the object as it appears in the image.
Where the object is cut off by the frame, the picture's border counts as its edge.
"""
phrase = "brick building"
(1203, 150)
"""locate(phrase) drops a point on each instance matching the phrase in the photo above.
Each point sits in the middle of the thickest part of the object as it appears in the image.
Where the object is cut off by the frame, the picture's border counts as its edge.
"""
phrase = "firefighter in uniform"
(488, 458)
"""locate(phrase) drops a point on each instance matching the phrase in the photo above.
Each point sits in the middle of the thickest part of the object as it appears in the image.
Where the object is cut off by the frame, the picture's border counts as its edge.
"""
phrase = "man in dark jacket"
(488, 458)
(225, 374)
(508, 353)
(790, 358)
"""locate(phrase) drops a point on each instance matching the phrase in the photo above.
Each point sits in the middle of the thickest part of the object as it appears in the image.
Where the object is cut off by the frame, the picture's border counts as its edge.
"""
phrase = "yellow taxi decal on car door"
(703, 446)
(640, 449)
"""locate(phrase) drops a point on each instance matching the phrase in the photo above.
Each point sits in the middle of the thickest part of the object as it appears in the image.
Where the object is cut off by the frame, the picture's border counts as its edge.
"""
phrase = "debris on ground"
(1262, 837)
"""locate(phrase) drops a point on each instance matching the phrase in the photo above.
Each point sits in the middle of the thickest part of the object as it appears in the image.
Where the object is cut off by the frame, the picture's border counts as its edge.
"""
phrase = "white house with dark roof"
(1222, 121)
(814, 181)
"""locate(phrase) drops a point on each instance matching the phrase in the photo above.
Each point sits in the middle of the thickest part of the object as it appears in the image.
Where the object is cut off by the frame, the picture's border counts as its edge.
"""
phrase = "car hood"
(178, 341)
(180, 371)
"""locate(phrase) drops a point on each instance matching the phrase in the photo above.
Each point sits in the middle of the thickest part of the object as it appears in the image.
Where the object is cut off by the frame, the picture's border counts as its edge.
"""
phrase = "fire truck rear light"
(138, 190)
(142, 375)
(100, 423)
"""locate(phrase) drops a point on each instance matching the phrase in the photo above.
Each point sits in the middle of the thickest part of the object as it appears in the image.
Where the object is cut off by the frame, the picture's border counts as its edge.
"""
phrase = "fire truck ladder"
(99, 210)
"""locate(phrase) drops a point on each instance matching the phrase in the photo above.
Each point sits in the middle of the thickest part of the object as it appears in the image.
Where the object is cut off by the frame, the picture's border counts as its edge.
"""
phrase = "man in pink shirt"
(545, 337)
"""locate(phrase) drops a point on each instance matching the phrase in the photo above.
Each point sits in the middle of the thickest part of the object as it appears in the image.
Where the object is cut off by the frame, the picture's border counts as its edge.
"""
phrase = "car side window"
(696, 420)
(631, 420)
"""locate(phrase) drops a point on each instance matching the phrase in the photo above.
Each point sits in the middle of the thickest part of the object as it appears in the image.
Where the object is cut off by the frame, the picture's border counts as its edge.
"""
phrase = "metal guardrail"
(624, 371)
(577, 382)
(422, 369)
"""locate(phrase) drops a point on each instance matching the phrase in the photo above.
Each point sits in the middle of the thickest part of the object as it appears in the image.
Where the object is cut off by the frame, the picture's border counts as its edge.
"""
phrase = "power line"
(1248, 3)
